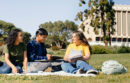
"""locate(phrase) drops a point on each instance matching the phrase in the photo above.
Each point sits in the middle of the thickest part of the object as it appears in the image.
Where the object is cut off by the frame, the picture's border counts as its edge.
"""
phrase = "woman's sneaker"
(92, 72)
(80, 71)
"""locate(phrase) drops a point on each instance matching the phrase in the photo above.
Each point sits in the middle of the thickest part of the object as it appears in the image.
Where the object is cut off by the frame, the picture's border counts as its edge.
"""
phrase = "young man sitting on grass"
(36, 50)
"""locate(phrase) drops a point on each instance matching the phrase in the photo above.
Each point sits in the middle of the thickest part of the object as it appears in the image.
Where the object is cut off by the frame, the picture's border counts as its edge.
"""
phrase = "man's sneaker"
(80, 71)
(92, 72)
(49, 69)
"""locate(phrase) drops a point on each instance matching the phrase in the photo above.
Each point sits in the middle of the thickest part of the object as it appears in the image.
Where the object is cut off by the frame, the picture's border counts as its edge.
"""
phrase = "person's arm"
(25, 62)
(66, 58)
(14, 69)
(87, 54)
(86, 57)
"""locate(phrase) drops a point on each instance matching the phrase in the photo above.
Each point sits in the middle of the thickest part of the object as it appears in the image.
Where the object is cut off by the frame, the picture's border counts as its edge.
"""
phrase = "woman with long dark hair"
(15, 53)
(77, 55)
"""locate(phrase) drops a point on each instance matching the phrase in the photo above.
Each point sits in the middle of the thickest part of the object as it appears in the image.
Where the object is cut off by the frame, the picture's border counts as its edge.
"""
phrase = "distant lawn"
(96, 61)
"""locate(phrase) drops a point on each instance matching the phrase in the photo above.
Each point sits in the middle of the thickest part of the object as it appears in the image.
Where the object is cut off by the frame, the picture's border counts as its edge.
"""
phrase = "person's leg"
(68, 67)
(83, 65)
(5, 69)
(34, 67)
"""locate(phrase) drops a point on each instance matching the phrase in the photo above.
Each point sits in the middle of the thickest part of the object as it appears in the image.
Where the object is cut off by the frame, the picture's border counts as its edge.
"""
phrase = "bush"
(99, 49)
(124, 49)
(54, 48)
(47, 45)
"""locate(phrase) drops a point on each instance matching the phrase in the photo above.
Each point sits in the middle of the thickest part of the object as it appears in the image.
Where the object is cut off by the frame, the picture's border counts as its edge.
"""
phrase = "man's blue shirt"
(36, 51)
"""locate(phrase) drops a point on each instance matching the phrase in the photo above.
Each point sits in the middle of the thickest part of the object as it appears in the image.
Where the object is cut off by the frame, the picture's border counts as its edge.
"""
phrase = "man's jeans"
(73, 67)
(34, 67)
(5, 69)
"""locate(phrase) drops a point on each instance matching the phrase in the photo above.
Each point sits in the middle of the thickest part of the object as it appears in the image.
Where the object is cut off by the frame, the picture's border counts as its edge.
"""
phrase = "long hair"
(83, 39)
(12, 38)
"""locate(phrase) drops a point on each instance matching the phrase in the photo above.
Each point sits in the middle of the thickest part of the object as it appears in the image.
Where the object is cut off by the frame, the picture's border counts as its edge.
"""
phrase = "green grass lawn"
(96, 61)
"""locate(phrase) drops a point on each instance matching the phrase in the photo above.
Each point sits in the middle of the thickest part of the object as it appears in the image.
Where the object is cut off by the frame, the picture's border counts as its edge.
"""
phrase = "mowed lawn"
(96, 61)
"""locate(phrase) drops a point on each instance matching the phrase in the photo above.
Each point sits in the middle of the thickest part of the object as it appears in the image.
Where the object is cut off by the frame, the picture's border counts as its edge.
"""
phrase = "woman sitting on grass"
(15, 53)
(77, 56)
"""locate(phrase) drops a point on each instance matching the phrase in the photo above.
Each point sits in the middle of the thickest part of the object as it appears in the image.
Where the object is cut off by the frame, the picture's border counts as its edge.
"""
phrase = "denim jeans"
(34, 67)
(5, 69)
(73, 67)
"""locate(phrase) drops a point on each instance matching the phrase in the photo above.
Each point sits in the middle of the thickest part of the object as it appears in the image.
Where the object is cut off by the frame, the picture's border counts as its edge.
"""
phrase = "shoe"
(49, 69)
(92, 72)
(80, 71)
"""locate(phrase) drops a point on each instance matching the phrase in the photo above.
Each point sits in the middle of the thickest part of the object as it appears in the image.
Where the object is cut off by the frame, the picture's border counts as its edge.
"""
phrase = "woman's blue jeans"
(5, 69)
(73, 67)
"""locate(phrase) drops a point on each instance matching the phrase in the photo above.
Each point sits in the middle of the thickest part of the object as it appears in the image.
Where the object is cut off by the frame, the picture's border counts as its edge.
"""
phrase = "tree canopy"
(59, 32)
(6, 27)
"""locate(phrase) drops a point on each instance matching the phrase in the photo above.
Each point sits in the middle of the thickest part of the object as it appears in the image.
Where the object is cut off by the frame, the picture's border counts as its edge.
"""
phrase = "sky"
(29, 14)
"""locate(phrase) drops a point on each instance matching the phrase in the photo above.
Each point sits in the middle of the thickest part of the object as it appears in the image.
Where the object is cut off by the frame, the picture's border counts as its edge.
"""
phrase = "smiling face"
(75, 38)
(41, 38)
(19, 37)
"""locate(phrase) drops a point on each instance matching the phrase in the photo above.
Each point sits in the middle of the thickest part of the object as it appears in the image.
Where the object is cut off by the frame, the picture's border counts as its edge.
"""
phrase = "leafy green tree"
(5, 28)
(59, 32)
(26, 37)
(102, 16)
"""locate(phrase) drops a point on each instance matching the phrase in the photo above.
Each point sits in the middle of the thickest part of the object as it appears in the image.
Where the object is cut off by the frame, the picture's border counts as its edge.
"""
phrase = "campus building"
(122, 28)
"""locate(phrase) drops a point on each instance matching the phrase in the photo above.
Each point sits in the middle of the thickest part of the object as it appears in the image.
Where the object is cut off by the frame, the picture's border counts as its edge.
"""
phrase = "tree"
(5, 28)
(59, 32)
(26, 37)
(102, 16)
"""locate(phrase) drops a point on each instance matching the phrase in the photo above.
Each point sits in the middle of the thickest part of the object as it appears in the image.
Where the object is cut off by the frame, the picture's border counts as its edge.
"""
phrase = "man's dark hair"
(41, 31)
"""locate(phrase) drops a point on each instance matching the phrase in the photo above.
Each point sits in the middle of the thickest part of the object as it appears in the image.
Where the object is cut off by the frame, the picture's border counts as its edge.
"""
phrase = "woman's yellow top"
(84, 49)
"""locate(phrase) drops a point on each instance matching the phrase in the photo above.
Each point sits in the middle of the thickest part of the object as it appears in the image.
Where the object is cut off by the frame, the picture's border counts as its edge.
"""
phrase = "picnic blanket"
(59, 73)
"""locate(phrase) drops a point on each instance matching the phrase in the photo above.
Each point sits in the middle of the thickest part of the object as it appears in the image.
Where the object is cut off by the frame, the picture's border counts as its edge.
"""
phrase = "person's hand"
(75, 59)
(49, 57)
(14, 70)
(72, 60)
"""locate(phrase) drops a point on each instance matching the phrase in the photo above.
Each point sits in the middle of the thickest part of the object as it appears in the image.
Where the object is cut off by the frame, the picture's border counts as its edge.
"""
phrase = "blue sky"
(29, 14)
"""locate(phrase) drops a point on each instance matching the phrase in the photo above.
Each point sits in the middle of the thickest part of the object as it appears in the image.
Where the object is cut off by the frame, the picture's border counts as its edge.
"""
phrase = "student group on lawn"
(33, 56)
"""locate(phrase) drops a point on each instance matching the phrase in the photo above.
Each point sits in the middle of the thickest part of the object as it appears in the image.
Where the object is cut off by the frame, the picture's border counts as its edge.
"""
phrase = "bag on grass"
(113, 67)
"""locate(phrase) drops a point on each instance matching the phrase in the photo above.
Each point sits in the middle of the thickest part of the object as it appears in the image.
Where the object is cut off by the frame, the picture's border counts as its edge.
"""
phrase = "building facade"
(122, 28)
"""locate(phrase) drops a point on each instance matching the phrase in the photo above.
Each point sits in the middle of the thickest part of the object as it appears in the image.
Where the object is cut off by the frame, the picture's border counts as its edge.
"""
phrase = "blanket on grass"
(59, 73)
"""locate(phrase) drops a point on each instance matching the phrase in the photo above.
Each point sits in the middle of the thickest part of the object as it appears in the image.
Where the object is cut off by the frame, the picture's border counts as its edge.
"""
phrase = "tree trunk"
(109, 38)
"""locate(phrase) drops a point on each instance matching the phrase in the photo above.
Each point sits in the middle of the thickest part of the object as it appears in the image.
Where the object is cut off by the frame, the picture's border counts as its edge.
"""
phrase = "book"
(75, 54)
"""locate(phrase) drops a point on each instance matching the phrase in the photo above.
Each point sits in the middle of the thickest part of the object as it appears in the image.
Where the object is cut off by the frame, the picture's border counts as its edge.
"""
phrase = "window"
(119, 40)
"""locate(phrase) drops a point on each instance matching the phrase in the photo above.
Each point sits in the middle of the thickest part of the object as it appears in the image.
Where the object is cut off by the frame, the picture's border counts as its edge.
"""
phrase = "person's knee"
(64, 66)
(5, 69)
(79, 62)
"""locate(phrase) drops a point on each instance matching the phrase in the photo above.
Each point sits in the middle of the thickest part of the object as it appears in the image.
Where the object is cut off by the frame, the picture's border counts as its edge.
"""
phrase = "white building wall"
(122, 27)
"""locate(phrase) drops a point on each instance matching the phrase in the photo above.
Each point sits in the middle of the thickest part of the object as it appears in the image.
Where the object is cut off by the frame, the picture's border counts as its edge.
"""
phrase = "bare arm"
(25, 62)
(66, 58)
(14, 69)
(86, 57)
